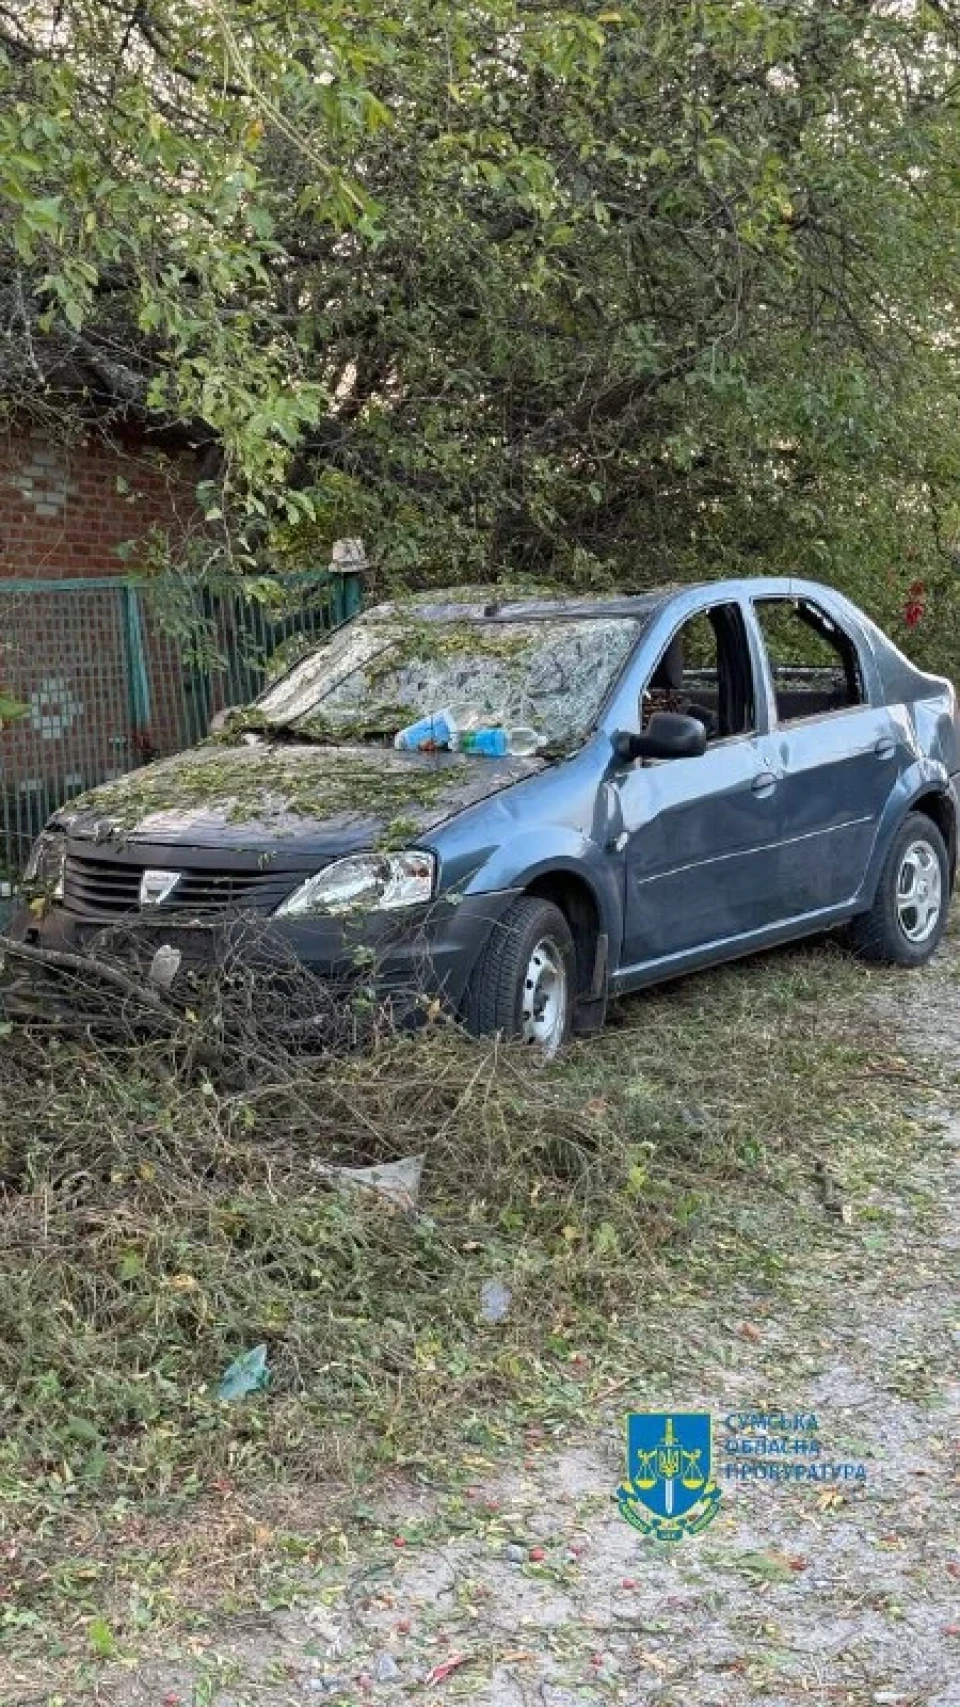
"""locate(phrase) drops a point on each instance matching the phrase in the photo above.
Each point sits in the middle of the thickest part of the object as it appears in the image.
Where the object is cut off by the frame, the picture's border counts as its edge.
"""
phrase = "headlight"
(367, 880)
(44, 868)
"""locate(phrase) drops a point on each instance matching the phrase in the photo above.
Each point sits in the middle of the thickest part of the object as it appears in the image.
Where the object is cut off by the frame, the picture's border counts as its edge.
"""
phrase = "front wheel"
(524, 983)
(909, 916)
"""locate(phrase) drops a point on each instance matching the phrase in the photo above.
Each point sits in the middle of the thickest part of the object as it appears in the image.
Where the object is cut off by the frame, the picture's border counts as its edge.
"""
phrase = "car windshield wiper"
(312, 731)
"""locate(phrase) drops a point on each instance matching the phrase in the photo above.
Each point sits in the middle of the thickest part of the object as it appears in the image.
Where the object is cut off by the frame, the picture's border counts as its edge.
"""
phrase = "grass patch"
(159, 1219)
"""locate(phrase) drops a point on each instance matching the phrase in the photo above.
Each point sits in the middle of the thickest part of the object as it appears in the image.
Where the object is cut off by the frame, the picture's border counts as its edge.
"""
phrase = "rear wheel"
(524, 983)
(908, 918)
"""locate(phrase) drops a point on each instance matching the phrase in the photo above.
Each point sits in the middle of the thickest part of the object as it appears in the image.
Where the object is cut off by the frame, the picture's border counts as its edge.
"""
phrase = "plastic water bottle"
(464, 729)
(488, 743)
(427, 734)
(495, 742)
(441, 730)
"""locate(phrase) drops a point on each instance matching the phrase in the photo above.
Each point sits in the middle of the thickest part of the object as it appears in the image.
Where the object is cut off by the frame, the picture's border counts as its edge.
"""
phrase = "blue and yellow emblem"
(669, 1491)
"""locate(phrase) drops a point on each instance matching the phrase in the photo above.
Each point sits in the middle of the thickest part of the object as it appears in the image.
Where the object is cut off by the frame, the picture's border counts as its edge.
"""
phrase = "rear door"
(701, 836)
(837, 752)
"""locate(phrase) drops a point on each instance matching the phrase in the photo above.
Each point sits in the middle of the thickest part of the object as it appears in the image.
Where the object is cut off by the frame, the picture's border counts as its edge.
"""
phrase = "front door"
(701, 848)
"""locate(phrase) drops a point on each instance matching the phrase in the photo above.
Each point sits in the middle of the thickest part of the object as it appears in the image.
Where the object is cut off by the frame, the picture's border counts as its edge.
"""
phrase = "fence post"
(348, 560)
(138, 675)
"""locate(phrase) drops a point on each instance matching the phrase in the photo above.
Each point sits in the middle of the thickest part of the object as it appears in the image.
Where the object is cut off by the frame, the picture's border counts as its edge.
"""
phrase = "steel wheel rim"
(544, 1004)
(919, 892)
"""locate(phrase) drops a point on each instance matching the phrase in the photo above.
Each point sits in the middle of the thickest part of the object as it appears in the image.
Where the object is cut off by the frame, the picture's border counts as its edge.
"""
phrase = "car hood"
(332, 799)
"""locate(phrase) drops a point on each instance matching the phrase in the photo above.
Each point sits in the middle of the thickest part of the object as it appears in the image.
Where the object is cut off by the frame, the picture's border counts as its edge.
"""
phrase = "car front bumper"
(414, 952)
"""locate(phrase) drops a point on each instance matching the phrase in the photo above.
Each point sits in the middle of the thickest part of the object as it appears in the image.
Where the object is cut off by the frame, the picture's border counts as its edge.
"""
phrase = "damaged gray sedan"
(524, 806)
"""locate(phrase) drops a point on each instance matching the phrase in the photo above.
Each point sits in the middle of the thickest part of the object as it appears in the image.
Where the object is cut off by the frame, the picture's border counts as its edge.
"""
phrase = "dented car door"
(701, 836)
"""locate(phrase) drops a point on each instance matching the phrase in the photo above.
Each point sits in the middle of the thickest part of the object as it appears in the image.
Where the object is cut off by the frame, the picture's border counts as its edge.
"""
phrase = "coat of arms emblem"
(669, 1491)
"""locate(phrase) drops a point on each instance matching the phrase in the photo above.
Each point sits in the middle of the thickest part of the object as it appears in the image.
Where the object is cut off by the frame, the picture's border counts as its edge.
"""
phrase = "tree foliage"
(611, 291)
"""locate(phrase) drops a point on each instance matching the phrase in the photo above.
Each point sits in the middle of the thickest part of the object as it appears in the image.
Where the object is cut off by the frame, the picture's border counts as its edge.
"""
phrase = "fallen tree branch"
(63, 960)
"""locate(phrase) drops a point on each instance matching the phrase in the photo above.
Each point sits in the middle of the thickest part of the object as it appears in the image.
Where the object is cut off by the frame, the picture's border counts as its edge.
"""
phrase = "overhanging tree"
(607, 292)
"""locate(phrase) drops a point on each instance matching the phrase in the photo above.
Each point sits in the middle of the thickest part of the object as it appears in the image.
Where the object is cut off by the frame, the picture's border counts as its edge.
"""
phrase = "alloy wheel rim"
(919, 892)
(544, 1005)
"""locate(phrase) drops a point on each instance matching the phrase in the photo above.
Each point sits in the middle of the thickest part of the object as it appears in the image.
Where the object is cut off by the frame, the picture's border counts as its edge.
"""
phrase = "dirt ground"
(527, 1588)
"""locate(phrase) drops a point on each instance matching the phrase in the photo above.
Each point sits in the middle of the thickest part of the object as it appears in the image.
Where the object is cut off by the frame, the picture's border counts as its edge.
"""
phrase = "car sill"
(627, 978)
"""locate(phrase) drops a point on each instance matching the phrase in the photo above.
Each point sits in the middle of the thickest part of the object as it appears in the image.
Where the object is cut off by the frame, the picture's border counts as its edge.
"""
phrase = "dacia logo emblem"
(156, 885)
(669, 1491)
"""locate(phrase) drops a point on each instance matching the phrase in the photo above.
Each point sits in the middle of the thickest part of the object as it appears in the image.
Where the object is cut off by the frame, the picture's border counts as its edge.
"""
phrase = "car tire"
(524, 984)
(905, 925)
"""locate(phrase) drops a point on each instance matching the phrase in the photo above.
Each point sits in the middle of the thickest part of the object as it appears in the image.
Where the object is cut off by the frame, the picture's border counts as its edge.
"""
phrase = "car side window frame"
(849, 639)
(739, 637)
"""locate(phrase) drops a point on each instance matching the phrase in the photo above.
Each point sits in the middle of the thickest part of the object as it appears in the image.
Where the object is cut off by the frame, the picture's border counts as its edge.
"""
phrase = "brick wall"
(66, 652)
(62, 511)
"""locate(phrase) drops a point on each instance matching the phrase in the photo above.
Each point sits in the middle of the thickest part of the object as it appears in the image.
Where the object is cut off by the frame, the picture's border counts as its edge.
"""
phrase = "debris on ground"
(489, 1537)
(398, 1182)
(248, 1373)
(495, 1300)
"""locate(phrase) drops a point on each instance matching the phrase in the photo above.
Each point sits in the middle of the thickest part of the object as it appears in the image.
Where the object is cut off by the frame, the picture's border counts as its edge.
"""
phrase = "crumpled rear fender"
(924, 777)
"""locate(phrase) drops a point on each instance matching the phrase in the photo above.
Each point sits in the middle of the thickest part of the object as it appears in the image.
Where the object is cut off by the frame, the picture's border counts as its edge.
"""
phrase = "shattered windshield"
(550, 675)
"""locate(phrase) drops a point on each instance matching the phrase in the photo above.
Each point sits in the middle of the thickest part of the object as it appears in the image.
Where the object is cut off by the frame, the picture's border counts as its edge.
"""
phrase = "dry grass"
(161, 1214)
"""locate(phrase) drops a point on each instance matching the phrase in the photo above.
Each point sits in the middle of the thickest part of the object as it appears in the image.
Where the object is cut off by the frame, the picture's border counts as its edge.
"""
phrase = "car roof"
(502, 604)
(495, 604)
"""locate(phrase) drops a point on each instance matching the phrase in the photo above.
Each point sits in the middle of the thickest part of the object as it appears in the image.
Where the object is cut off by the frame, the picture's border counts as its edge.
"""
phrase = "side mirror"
(667, 736)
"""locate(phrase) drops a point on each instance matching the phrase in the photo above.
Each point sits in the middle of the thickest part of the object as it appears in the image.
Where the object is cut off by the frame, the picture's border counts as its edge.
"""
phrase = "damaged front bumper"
(423, 952)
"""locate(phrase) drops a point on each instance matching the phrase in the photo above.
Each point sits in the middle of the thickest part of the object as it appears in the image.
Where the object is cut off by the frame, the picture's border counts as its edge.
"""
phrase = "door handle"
(764, 784)
(885, 748)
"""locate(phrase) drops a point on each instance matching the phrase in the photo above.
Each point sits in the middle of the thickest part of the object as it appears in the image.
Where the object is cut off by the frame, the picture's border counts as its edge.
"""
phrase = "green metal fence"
(114, 673)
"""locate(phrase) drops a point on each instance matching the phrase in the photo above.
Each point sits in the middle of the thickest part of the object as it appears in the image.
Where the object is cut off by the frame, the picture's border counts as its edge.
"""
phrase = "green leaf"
(80, 1428)
(101, 1639)
(42, 213)
(765, 1567)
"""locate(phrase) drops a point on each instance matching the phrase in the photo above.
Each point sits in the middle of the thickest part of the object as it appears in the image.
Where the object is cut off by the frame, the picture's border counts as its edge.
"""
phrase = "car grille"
(108, 889)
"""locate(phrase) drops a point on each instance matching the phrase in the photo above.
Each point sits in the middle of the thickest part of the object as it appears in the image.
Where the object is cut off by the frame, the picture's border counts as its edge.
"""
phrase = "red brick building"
(103, 686)
(112, 673)
(65, 510)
